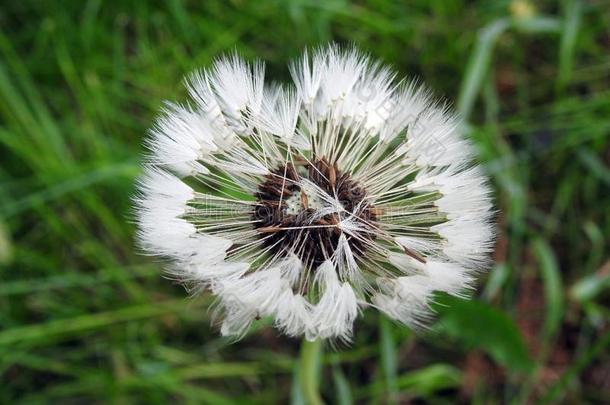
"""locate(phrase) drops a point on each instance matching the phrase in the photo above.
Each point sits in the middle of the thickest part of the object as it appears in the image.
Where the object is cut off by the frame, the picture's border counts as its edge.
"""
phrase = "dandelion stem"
(310, 371)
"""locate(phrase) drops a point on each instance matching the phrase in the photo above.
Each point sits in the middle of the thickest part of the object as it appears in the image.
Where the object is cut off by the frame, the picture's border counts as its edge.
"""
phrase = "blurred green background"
(84, 318)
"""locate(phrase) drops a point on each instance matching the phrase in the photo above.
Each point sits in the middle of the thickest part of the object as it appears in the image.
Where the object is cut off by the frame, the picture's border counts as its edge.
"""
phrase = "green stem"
(310, 371)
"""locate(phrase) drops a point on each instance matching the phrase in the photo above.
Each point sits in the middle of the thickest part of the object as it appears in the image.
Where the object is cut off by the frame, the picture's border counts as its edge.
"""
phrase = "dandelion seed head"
(310, 202)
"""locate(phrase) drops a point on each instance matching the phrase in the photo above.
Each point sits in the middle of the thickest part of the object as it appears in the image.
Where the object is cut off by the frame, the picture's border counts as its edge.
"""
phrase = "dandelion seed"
(309, 203)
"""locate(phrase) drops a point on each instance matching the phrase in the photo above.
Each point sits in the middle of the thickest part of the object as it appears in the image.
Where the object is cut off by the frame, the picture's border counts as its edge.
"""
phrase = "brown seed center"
(287, 216)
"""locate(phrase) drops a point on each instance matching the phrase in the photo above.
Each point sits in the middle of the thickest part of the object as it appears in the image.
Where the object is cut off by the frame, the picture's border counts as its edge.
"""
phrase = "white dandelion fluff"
(309, 203)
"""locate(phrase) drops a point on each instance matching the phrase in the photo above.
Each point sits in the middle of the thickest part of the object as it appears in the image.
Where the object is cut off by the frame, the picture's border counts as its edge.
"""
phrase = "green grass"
(84, 318)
